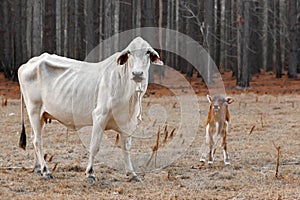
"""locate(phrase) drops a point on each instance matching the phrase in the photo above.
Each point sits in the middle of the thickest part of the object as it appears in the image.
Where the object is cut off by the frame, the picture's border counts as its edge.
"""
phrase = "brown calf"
(216, 127)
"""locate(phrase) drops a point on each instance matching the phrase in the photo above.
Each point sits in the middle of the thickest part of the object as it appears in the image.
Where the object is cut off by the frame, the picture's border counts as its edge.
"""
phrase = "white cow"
(106, 95)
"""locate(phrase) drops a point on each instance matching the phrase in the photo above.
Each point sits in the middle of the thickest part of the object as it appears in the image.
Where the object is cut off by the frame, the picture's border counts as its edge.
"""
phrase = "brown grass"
(250, 176)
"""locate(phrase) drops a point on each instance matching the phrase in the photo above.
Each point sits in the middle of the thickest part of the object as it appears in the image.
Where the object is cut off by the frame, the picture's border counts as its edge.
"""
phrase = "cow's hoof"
(37, 172)
(210, 162)
(202, 160)
(135, 179)
(91, 179)
(48, 176)
(227, 163)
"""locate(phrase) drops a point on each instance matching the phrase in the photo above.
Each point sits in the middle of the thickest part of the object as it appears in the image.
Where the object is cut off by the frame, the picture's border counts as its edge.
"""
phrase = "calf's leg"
(224, 145)
(208, 149)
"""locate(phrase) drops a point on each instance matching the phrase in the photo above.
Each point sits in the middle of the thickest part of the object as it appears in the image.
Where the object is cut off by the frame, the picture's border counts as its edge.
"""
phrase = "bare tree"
(209, 22)
(37, 27)
(218, 33)
(228, 36)
(255, 46)
(293, 60)
(278, 40)
(49, 28)
(270, 36)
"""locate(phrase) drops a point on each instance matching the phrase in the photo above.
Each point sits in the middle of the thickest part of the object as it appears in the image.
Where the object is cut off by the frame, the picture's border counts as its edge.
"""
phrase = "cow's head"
(219, 102)
(137, 58)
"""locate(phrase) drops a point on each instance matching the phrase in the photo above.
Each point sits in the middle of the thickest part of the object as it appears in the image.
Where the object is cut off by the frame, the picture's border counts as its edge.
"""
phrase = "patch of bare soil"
(262, 118)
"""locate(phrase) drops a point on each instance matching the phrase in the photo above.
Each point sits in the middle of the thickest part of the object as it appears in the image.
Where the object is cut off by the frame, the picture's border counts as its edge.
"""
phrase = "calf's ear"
(209, 98)
(154, 58)
(229, 100)
(123, 58)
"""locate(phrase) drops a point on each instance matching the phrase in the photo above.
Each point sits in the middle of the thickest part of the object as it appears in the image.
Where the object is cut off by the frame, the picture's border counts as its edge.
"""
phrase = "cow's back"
(64, 88)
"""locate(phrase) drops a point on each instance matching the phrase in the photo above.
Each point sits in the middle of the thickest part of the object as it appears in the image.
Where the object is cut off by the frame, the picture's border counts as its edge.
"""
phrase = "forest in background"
(242, 36)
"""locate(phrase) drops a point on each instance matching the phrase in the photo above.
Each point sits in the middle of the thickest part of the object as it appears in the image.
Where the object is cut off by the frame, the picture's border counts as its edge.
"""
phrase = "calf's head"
(137, 58)
(219, 103)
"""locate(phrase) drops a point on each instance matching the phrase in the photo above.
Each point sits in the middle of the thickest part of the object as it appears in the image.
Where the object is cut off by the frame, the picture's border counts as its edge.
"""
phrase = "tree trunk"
(234, 32)
(270, 36)
(71, 29)
(298, 29)
(278, 45)
(49, 28)
(293, 60)
(244, 80)
(256, 40)
(24, 21)
(17, 41)
(286, 35)
(37, 27)
(210, 24)
(149, 19)
(218, 35)
(81, 41)
(228, 36)
(107, 26)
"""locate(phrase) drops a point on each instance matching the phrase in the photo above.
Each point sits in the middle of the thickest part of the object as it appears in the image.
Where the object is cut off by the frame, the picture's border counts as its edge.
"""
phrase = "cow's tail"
(22, 141)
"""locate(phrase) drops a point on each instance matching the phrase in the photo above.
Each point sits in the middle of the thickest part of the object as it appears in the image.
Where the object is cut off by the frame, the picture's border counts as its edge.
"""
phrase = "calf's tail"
(22, 141)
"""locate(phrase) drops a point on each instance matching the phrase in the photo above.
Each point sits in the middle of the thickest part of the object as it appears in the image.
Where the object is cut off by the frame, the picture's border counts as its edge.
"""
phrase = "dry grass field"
(251, 174)
(262, 118)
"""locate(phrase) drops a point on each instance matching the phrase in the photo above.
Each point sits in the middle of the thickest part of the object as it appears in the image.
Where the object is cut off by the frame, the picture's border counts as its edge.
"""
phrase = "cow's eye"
(148, 52)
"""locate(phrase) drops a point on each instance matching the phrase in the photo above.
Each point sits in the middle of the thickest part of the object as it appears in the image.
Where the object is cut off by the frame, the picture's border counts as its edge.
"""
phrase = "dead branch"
(172, 134)
(261, 120)
(174, 104)
(165, 134)
(4, 101)
(154, 123)
(252, 129)
(51, 157)
(277, 160)
(54, 168)
(155, 147)
(117, 139)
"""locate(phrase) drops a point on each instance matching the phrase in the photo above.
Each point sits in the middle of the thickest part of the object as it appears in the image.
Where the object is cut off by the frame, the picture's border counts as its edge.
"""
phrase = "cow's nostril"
(137, 73)
(216, 107)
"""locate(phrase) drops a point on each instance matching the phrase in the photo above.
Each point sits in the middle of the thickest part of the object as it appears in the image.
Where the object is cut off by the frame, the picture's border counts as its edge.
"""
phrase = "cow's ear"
(154, 58)
(229, 100)
(123, 58)
(209, 98)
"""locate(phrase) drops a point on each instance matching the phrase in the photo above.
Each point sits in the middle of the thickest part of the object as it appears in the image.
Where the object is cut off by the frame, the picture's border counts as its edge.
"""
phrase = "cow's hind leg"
(37, 166)
(37, 124)
(126, 146)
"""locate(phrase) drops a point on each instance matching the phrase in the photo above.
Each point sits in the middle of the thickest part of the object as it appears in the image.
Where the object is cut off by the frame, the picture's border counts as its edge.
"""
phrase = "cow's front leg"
(126, 146)
(99, 121)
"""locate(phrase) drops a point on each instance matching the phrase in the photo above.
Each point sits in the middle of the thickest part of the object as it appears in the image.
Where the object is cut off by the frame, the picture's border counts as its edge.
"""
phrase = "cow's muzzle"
(138, 76)
(216, 108)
